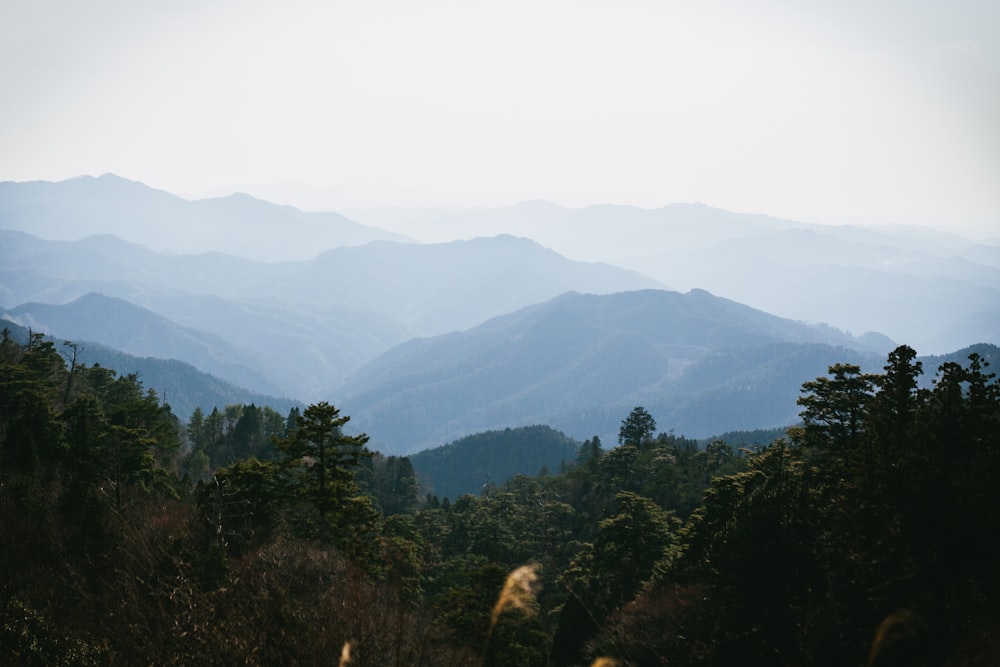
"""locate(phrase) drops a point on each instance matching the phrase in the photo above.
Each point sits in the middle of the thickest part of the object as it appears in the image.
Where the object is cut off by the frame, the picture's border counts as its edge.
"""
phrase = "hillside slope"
(937, 290)
(305, 324)
(140, 332)
(442, 287)
(580, 362)
(180, 385)
(492, 457)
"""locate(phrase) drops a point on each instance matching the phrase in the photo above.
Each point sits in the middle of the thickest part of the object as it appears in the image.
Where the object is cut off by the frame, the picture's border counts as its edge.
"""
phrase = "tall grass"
(519, 594)
(345, 655)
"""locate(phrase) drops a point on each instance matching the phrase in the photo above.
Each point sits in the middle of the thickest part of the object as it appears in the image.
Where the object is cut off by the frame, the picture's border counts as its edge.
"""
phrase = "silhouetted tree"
(638, 427)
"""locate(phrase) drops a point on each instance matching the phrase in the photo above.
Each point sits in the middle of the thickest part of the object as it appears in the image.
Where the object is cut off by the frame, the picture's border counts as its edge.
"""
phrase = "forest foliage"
(246, 536)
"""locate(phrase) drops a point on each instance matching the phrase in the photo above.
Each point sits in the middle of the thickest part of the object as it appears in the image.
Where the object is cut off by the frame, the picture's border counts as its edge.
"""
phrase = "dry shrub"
(664, 625)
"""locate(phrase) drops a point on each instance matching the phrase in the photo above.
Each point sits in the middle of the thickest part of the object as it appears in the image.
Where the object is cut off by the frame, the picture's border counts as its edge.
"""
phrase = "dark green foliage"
(186, 388)
(637, 428)
(243, 502)
(590, 452)
(392, 483)
(606, 575)
(832, 410)
(749, 440)
(289, 538)
(329, 458)
(673, 471)
(30, 378)
(236, 433)
(879, 508)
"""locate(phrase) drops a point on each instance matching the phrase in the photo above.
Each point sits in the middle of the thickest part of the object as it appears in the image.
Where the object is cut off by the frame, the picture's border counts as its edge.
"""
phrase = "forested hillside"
(184, 386)
(477, 461)
(118, 324)
(250, 537)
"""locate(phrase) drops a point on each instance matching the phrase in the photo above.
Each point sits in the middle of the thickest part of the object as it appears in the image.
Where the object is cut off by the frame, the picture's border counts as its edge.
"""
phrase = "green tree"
(833, 411)
(213, 431)
(30, 431)
(611, 572)
(324, 463)
(393, 484)
(243, 502)
(637, 428)
(127, 405)
(330, 458)
(590, 453)
(196, 429)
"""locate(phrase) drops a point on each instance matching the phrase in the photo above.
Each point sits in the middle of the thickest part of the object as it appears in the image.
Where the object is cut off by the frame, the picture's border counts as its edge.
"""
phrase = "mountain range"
(238, 224)
(701, 364)
(936, 290)
(288, 329)
(426, 342)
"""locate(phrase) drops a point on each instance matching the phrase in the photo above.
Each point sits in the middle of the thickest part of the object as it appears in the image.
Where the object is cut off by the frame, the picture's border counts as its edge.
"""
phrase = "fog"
(846, 113)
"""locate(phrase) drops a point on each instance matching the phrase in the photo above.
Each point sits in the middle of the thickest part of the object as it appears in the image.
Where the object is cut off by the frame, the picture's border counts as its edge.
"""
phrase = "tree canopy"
(249, 537)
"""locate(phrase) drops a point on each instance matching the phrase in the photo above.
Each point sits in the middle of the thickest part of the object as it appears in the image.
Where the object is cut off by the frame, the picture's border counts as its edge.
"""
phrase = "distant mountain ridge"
(300, 326)
(937, 290)
(138, 331)
(238, 224)
(179, 384)
(579, 362)
(442, 287)
(426, 343)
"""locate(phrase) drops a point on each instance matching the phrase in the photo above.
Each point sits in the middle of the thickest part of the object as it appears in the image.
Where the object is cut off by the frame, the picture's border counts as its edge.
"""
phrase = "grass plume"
(518, 592)
(345, 655)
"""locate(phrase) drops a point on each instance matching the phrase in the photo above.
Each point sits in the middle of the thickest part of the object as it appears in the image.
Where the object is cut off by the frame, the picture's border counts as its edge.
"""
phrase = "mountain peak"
(110, 177)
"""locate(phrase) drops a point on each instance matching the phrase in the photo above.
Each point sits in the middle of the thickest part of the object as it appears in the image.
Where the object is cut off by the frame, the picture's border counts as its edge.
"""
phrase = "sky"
(835, 112)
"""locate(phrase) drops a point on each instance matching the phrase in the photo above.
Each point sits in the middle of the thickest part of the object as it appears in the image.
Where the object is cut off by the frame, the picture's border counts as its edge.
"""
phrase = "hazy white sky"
(848, 111)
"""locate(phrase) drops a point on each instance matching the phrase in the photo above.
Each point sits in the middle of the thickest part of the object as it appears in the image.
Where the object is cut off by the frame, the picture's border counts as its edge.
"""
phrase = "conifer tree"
(329, 456)
(638, 427)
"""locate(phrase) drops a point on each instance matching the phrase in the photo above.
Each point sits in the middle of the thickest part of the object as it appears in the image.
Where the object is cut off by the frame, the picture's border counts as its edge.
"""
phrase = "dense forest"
(865, 535)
